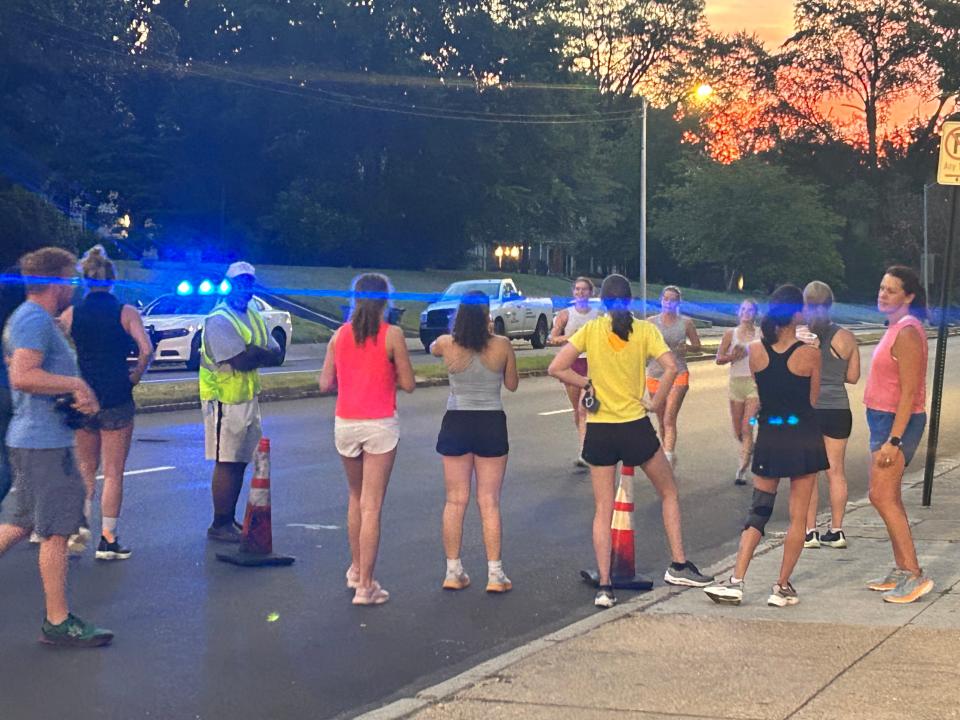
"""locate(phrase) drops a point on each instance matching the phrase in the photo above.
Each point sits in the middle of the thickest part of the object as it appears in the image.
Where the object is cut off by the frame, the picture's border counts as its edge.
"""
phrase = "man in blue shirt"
(11, 295)
(48, 492)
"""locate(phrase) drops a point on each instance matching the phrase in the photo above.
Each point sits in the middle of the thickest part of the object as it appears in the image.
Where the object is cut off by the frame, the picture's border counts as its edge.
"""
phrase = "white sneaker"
(76, 544)
(456, 581)
(35, 539)
(726, 592)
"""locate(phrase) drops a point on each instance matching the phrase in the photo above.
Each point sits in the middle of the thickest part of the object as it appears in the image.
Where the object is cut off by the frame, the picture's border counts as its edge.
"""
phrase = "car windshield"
(491, 288)
(186, 305)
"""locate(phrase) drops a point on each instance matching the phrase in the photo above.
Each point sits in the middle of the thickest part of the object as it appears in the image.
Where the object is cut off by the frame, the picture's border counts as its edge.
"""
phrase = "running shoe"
(225, 533)
(605, 597)
(689, 576)
(783, 595)
(34, 538)
(84, 532)
(112, 550)
(834, 539)
(353, 577)
(373, 595)
(456, 580)
(580, 462)
(888, 581)
(74, 632)
(725, 592)
(741, 477)
(909, 589)
(76, 545)
(498, 583)
(812, 540)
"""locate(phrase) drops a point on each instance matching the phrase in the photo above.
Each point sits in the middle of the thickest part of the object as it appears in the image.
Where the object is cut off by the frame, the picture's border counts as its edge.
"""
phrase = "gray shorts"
(48, 492)
(115, 418)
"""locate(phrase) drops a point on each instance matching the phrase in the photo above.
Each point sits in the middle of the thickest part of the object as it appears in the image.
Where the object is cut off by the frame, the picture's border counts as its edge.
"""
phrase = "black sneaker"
(74, 632)
(112, 550)
(834, 539)
(605, 597)
(812, 540)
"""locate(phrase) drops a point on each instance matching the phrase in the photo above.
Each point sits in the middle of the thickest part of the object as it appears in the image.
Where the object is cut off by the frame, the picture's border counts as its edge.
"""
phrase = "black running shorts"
(632, 443)
(836, 424)
(481, 432)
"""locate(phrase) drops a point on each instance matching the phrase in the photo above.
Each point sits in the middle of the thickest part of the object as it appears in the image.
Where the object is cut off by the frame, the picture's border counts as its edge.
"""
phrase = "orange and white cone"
(256, 542)
(623, 572)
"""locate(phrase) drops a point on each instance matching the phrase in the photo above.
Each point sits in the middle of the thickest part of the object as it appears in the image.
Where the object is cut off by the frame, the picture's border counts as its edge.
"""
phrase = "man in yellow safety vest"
(235, 345)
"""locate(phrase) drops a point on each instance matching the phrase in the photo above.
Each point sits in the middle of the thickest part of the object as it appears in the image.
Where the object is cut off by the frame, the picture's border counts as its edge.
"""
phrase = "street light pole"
(643, 207)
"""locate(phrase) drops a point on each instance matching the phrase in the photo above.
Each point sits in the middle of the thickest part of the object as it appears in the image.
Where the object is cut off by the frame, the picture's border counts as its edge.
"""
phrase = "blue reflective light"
(205, 288)
(184, 288)
(793, 420)
(753, 420)
(775, 420)
(224, 287)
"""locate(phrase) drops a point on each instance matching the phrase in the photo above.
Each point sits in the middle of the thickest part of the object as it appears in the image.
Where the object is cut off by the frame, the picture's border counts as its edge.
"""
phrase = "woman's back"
(474, 385)
(366, 376)
(782, 392)
(103, 347)
(833, 372)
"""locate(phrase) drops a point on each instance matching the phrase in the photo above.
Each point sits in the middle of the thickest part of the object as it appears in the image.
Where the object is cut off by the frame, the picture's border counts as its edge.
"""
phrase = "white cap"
(241, 268)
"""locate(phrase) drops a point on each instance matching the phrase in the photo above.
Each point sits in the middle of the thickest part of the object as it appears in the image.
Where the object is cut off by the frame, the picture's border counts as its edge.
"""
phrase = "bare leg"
(837, 476)
(603, 478)
(885, 496)
(750, 537)
(750, 408)
(800, 489)
(376, 475)
(457, 473)
(88, 458)
(115, 448)
(670, 414)
(226, 487)
(660, 474)
(53, 573)
(736, 419)
(353, 467)
(490, 472)
(10, 535)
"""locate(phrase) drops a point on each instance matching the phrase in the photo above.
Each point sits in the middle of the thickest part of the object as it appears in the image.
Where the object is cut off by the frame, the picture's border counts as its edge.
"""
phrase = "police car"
(174, 323)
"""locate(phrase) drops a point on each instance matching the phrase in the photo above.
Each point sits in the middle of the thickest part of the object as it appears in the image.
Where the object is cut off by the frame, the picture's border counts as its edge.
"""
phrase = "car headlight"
(423, 316)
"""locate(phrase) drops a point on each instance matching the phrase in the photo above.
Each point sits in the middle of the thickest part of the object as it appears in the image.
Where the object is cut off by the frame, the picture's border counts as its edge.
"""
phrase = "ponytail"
(784, 304)
(616, 295)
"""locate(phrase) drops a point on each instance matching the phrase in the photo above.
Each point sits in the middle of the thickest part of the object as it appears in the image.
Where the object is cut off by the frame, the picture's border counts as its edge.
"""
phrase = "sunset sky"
(771, 20)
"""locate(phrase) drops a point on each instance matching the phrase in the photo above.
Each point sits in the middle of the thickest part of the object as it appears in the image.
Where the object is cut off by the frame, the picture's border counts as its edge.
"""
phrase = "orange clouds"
(770, 20)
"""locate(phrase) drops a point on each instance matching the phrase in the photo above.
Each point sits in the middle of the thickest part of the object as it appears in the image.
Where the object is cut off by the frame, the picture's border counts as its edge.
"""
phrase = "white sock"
(810, 530)
(494, 568)
(87, 509)
(833, 529)
(110, 526)
(454, 567)
(735, 580)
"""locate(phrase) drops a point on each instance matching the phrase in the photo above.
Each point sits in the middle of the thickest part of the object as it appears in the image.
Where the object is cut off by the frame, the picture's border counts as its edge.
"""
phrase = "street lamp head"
(704, 90)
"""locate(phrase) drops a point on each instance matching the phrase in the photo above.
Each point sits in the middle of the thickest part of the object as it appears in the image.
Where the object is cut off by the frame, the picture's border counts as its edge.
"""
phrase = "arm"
(397, 346)
(814, 361)
(133, 325)
(559, 324)
(65, 321)
(693, 339)
(560, 367)
(848, 344)
(439, 346)
(253, 358)
(908, 352)
(27, 375)
(511, 378)
(669, 364)
(724, 355)
(328, 374)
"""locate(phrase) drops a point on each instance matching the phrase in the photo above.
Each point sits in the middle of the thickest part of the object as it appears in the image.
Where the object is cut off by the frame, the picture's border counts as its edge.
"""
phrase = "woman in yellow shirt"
(618, 347)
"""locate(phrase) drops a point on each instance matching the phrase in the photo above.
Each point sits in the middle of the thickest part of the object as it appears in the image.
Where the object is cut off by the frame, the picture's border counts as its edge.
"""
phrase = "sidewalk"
(842, 653)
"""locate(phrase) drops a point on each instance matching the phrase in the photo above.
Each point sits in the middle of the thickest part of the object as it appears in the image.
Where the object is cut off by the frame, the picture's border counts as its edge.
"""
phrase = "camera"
(590, 402)
(73, 418)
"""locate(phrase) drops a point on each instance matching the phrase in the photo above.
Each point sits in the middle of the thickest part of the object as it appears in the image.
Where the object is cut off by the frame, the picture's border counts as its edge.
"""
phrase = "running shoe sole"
(723, 599)
(456, 584)
(110, 555)
(839, 544)
(920, 591)
(686, 582)
(495, 587)
(779, 601)
(68, 642)
(604, 602)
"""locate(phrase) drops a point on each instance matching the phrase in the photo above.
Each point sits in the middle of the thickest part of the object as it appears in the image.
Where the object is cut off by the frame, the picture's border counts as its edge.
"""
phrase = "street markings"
(144, 471)
(557, 412)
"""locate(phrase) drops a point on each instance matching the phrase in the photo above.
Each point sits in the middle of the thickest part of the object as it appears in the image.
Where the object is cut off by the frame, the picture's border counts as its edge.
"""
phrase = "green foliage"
(751, 218)
(28, 222)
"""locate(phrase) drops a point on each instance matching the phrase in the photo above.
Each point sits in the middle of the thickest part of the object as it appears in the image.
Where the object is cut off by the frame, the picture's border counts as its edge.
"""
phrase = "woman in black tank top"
(789, 443)
(105, 331)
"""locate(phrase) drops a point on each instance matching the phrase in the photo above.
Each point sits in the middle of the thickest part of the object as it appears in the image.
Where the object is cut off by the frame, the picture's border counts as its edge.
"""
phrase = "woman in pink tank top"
(895, 398)
(366, 361)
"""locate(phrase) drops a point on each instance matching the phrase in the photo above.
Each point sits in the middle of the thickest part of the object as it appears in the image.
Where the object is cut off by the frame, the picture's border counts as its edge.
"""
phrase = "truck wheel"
(499, 328)
(539, 337)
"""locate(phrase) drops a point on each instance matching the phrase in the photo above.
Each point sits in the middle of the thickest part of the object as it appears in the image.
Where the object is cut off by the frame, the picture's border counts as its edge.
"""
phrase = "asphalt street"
(200, 639)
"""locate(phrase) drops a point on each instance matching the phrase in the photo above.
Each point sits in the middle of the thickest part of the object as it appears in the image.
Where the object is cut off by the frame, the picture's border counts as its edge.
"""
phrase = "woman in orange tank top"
(366, 361)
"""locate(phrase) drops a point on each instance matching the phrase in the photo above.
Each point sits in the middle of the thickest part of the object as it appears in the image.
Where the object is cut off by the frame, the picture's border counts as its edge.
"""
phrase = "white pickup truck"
(513, 315)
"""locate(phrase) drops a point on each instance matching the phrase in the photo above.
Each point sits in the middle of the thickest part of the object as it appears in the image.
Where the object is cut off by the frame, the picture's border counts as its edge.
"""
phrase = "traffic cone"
(623, 573)
(256, 542)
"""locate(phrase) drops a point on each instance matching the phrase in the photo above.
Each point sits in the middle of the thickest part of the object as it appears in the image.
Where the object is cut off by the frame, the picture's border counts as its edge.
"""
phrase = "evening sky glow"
(770, 20)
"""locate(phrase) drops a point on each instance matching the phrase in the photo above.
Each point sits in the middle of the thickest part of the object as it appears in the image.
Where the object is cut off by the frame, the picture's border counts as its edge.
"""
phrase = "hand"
(85, 400)
(135, 376)
(651, 406)
(738, 353)
(887, 455)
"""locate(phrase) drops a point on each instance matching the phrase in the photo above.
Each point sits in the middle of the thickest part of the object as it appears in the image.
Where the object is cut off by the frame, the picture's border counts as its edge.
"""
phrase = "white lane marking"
(308, 526)
(557, 412)
(144, 471)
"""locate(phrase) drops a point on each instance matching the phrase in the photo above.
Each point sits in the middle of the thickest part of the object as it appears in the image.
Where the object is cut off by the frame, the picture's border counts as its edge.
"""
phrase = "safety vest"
(222, 382)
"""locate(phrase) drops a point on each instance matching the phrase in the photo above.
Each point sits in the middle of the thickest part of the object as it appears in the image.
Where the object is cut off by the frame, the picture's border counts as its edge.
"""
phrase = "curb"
(405, 707)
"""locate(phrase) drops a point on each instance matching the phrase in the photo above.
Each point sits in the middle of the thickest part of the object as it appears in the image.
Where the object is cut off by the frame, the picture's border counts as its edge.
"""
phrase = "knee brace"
(761, 507)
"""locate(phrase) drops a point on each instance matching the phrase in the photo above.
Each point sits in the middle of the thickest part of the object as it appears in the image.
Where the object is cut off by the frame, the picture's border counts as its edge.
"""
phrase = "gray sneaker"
(909, 589)
(725, 592)
(783, 595)
(688, 576)
(888, 581)
(225, 533)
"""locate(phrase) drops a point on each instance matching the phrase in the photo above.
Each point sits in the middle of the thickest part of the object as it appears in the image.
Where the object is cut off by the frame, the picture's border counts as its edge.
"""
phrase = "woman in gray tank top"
(680, 334)
(840, 364)
(473, 434)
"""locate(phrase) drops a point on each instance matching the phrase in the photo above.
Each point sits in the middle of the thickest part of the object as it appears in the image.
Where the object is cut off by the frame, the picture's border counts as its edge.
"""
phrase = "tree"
(754, 219)
(28, 222)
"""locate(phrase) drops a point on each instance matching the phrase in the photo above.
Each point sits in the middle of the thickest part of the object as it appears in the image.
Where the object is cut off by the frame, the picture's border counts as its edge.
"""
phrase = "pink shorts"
(580, 366)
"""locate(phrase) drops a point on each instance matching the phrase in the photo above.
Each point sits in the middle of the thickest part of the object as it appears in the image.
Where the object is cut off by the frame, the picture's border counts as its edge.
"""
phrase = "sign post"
(948, 173)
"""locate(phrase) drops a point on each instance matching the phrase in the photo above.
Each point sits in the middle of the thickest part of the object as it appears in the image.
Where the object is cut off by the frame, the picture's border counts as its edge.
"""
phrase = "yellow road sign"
(948, 170)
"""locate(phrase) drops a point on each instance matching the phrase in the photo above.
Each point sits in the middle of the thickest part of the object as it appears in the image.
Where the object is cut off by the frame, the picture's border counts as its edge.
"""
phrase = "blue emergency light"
(205, 288)
(225, 287)
(185, 288)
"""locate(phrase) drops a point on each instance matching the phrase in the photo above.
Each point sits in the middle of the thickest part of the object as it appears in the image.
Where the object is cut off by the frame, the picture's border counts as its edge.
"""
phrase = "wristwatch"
(895, 441)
